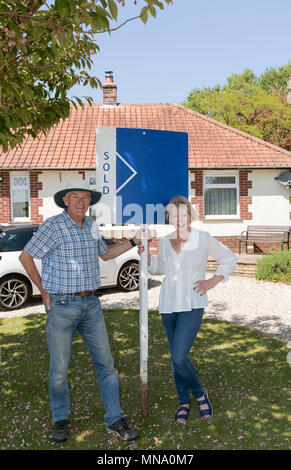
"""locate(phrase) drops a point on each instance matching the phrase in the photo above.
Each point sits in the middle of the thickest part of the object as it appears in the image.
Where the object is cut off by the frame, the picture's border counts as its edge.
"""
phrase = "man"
(69, 245)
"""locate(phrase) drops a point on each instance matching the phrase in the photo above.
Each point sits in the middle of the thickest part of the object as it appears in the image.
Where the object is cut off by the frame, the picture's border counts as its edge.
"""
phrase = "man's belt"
(85, 293)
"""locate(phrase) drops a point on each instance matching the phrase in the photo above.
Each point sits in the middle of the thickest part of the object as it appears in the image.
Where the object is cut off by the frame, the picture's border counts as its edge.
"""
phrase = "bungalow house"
(226, 165)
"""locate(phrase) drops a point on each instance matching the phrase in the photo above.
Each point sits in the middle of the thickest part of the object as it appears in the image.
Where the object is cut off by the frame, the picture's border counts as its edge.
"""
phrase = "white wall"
(270, 202)
(52, 182)
(270, 199)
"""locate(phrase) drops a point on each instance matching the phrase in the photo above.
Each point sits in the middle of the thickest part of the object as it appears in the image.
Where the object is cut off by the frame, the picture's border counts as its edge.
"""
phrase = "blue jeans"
(84, 314)
(181, 330)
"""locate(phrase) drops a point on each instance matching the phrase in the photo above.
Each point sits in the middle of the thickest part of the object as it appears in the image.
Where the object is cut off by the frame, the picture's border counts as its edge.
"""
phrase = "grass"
(245, 373)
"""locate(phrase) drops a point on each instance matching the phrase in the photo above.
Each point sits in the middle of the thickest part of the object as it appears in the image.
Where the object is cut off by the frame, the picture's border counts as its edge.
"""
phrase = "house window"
(221, 196)
(92, 185)
(19, 194)
(92, 181)
(93, 209)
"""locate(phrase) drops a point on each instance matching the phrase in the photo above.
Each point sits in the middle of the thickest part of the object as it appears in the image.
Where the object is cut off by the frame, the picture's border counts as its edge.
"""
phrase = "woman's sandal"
(209, 410)
(180, 415)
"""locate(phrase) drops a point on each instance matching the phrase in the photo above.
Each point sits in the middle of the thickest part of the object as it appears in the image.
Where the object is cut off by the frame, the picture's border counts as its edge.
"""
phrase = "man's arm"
(27, 262)
(115, 250)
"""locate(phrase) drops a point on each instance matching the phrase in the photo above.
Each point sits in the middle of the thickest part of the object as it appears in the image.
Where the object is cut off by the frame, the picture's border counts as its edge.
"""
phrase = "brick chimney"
(109, 90)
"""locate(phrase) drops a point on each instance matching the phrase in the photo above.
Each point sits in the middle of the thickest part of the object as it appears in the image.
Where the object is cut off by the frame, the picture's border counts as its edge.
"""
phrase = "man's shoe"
(60, 431)
(122, 429)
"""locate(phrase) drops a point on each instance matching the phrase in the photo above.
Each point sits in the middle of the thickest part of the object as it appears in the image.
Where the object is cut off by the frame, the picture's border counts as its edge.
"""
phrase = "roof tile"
(71, 144)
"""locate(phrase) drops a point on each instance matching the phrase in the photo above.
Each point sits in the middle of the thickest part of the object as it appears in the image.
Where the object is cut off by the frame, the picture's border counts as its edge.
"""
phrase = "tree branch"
(33, 5)
(120, 26)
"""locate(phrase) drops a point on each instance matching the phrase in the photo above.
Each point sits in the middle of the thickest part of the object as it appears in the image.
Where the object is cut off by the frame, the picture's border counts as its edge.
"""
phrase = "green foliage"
(256, 105)
(275, 266)
(275, 81)
(46, 49)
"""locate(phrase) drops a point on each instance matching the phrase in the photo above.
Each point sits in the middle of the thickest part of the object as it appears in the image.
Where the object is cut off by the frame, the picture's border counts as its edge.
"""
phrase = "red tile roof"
(71, 144)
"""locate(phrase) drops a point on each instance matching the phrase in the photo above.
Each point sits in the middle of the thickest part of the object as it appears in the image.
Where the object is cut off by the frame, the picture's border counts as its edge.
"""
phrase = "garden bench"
(265, 233)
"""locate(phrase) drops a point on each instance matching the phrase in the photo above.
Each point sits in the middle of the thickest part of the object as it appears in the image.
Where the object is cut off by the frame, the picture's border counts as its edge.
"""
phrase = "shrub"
(275, 266)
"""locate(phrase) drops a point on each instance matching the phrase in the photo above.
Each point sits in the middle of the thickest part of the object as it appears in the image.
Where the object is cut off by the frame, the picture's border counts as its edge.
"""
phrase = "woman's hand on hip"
(201, 287)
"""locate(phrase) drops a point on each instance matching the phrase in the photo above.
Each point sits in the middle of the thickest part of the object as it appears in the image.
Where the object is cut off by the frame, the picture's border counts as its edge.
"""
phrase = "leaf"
(63, 7)
(113, 8)
(159, 4)
(27, 92)
(144, 14)
(59, 40)
(77, 20)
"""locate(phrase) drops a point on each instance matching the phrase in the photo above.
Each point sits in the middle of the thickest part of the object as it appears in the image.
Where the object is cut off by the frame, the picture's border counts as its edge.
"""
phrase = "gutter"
(58, 168)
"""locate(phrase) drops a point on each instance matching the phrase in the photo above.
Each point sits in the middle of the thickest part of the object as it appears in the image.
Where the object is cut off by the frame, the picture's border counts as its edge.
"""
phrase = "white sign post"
(143, 322)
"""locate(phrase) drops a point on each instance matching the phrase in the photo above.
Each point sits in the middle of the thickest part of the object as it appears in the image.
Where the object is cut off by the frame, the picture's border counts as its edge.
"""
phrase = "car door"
(12, 245)
(108, 269)
(108, 272)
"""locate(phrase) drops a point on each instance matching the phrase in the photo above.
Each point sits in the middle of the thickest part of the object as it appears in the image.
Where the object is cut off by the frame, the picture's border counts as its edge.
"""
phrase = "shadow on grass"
(244, 372)
(270, 325)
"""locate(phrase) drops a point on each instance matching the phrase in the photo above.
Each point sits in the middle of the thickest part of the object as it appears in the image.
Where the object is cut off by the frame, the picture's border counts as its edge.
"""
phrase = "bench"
(265, 233)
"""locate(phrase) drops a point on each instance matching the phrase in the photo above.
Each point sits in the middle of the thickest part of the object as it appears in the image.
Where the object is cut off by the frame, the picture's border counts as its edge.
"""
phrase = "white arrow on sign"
(130, 167)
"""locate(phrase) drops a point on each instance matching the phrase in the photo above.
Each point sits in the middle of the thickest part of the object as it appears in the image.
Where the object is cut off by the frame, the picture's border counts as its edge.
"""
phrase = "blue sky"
(192, 43)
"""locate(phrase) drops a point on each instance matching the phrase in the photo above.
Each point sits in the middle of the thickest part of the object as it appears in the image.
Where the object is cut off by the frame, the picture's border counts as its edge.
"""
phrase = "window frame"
(91, 212)
(221, 186)
(22, 175)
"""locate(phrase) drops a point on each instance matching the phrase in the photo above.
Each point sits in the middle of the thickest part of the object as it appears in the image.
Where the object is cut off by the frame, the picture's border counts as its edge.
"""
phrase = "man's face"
(77, 202)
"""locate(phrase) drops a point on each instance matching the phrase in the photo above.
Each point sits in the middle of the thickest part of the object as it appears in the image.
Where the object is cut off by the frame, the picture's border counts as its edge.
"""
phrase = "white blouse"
(184, 269)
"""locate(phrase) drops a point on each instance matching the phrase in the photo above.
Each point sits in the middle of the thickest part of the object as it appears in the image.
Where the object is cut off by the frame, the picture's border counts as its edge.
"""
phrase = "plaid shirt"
(69, 254)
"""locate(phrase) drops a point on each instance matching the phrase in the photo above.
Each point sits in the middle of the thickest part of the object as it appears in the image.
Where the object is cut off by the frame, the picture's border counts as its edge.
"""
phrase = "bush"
(275, 266)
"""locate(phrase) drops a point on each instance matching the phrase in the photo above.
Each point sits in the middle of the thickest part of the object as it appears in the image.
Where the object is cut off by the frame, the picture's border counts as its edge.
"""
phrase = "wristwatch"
(132, 242)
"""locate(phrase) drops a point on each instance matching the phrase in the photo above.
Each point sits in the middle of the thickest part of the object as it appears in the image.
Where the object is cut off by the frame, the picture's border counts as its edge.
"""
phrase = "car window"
(14, 241)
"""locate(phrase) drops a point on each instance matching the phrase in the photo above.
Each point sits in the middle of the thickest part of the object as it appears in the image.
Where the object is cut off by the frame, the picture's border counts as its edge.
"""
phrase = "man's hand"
(46, 299)
(138, 236)
(115, 250)
(141, 248)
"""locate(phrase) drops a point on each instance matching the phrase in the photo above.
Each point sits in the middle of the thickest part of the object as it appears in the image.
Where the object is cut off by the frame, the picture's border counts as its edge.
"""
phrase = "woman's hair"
(181, 201)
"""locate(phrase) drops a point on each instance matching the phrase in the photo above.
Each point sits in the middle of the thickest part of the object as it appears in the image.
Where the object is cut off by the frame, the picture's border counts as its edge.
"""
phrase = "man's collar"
(86, 219)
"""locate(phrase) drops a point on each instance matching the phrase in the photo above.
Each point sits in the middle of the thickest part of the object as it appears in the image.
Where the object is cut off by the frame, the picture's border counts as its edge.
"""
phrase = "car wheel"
(128, 277)
(14, 292)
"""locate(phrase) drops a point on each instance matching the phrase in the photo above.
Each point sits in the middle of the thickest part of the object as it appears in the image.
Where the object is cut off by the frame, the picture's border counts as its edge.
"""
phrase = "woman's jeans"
(181, 330)
(66, 315)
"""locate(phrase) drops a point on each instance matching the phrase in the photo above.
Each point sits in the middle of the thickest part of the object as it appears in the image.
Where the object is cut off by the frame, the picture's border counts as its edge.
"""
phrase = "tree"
(45, 49)
(256, 105)
(275, 81)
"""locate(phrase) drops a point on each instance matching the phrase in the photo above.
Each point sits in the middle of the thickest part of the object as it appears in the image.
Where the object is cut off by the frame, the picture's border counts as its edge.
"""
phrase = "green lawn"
(245, 373)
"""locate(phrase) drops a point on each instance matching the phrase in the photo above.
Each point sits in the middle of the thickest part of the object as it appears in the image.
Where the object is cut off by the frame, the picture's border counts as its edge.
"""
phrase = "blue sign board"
(138, 172)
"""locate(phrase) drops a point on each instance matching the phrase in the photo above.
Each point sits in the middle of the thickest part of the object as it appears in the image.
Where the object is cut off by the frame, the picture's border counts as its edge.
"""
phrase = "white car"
(15, 286)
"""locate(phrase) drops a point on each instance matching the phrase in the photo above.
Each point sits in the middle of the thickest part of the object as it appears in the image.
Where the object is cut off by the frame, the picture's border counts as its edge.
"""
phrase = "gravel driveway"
(261, 305)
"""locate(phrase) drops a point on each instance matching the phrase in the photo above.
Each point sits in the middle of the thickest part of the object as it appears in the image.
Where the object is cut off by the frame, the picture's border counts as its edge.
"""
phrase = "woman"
(182, 257)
